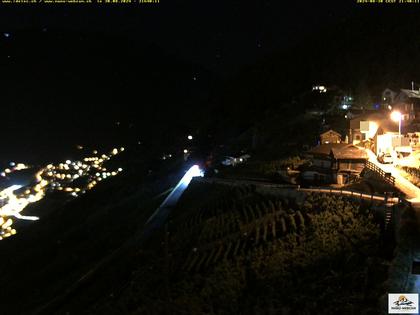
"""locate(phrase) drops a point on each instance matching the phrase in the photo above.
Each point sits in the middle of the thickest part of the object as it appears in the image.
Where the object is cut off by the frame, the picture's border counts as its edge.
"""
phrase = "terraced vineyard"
(230, 231)
(413, 174)
(226, 250)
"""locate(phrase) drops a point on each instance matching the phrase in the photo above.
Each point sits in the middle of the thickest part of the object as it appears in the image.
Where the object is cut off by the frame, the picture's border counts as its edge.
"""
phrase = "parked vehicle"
(386, 158)
(228, 160)
(232, 161)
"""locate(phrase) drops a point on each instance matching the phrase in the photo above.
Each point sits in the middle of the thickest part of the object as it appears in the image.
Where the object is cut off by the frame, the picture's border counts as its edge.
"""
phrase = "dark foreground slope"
(242, 251)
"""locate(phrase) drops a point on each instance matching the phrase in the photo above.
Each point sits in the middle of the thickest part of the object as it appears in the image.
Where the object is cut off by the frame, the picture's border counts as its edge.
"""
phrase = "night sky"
(99, 75)
(222, 36)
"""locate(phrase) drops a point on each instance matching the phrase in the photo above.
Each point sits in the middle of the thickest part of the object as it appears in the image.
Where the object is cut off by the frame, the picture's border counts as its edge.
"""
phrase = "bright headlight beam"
(176, 193)
(194, 171)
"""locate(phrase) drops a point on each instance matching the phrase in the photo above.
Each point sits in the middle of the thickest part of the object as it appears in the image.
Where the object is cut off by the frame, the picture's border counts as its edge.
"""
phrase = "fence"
(387, 177)
(387, 197)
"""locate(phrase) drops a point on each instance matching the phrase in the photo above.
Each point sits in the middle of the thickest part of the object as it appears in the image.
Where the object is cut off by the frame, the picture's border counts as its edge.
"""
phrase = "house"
(335, 163)
(330, 136)
(408, 103)
(365, 126)
(388, 97)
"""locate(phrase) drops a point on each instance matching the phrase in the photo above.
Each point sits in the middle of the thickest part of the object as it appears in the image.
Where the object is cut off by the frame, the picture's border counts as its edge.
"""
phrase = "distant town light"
(185, 151)
(190, 137)
(68, 162)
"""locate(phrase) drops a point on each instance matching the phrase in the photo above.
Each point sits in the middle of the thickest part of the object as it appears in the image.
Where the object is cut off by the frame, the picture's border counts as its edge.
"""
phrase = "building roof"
(330, 131)
(349, 152)
(339, 151)
(388, 90)
(411, 93)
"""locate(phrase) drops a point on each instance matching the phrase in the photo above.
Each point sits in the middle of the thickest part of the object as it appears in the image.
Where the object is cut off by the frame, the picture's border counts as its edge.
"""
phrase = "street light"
(190, 137)
(396, 116)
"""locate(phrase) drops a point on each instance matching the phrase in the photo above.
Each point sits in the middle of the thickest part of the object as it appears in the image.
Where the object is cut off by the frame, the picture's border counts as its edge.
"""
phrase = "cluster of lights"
(66, 177)
(6, 229)
(62, 177)
(13, 167)
(347, 101)
(13, 203)
(319, 88)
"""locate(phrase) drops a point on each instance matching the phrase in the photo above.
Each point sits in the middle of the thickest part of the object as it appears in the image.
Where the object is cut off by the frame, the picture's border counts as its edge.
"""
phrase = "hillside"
(230, 250)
